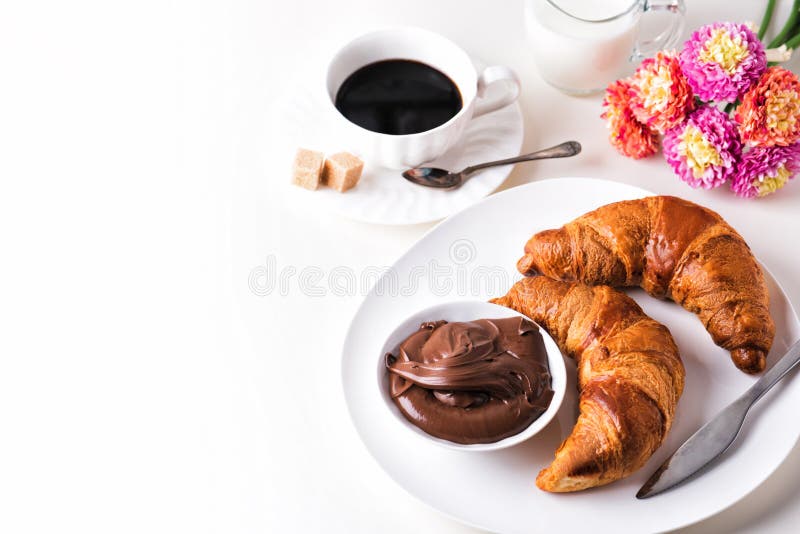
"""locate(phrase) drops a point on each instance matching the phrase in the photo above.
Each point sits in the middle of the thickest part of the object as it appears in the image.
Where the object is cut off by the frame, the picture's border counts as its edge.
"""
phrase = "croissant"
(673, 249)
(630, 378)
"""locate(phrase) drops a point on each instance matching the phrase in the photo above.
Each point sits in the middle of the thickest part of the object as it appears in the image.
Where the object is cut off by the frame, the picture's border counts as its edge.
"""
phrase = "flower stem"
(793, 42)
(762, 30)
(786, 31)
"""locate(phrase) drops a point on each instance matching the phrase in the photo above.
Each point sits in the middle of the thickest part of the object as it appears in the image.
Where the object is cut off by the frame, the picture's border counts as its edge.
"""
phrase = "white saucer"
(383, 196)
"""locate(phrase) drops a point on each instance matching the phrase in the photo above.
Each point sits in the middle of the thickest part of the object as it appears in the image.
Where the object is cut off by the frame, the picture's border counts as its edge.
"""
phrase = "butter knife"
(714, 438)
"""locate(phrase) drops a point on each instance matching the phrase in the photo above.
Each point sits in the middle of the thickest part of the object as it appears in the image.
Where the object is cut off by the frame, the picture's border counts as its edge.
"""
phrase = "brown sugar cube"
(307, 168)
(342, 171)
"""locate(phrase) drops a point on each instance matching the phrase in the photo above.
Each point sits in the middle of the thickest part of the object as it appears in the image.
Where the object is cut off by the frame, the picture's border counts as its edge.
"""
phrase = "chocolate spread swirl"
(473, 382)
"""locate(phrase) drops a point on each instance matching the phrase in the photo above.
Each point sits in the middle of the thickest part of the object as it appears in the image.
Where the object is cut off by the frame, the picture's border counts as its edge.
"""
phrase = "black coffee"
(398, 97)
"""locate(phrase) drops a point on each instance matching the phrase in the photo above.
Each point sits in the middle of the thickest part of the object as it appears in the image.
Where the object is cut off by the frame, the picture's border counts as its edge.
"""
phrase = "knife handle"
(778, 371)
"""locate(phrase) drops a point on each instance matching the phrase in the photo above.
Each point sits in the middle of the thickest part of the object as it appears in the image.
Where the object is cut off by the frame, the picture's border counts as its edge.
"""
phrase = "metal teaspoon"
(443, 179)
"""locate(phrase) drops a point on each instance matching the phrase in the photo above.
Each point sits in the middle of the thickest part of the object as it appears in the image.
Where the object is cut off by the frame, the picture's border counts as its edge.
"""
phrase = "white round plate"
(473, 255)
(383, 196)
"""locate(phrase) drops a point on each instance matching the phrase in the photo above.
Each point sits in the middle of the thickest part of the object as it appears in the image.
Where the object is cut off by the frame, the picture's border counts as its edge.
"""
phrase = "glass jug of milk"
(580, 46)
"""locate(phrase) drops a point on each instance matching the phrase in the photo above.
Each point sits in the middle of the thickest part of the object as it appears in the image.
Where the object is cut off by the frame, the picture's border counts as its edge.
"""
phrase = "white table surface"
(143, 385)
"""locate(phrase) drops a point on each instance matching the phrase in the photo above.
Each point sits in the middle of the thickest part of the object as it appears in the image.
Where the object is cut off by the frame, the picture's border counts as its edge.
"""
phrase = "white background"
(143, 386)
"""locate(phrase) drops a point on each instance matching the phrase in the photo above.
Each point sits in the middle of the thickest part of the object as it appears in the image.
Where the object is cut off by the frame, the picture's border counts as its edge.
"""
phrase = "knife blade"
(714, 438)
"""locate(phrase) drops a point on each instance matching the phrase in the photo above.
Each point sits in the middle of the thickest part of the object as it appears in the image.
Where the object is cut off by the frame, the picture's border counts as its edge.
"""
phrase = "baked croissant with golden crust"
(673, 249)
(630, 378)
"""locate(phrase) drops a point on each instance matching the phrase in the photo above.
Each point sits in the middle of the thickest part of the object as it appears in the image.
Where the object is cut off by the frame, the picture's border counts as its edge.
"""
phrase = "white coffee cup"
(410, 150)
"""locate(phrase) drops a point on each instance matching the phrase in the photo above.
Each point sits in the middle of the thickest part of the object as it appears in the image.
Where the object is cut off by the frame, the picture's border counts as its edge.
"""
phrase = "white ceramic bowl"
(469, 311)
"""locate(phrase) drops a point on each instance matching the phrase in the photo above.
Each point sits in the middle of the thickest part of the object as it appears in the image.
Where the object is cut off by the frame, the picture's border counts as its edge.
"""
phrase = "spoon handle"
(564, 150)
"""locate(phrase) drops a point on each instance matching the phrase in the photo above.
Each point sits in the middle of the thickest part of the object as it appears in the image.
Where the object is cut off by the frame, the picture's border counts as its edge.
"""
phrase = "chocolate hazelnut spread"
(472, 382)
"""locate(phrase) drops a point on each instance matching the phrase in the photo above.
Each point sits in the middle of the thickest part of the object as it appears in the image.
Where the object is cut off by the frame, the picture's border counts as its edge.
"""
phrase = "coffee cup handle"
(489, 76)
(668, 38)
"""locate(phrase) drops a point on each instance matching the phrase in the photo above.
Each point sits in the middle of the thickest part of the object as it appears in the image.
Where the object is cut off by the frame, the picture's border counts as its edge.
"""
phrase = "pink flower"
(770, 111)
(629, 136)
(722, 60)
(660, 95)
(764, 170)
(703, 150)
